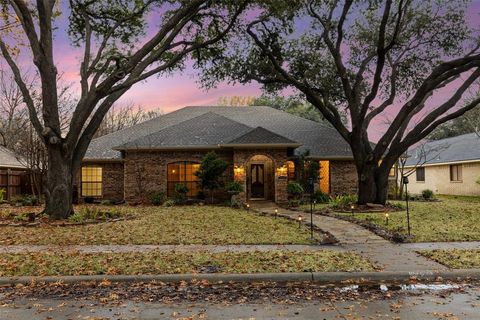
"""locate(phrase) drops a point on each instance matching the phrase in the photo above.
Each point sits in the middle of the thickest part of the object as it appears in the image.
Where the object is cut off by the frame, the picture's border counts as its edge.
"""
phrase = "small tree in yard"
(210, 171)
(373, 59)
(122, 43)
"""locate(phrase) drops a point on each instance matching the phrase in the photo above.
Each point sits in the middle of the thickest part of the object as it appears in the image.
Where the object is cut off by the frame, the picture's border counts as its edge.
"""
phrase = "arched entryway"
(260, 178)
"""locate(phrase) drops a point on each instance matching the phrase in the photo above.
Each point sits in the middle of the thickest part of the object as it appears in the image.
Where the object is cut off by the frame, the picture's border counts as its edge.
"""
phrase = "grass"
(451, 219)
(455, 258)
(155, 262)
(167, 225)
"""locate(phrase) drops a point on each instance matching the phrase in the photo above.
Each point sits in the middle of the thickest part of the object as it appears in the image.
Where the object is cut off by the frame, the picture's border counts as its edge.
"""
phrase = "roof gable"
(261, 135)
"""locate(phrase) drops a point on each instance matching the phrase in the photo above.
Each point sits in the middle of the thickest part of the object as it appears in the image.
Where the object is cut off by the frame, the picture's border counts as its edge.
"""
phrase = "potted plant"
(234, 188)
(295, 191)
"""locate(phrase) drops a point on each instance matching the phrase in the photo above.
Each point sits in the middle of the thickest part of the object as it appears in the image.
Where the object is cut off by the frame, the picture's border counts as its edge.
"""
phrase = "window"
(291, 170)
(456, 172)
(420, 171)
(92, 181)
(182, 172)
(325, 176)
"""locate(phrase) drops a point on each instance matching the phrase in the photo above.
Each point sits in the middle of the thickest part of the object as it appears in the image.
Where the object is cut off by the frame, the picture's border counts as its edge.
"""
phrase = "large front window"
(183, 172)
(92, 181)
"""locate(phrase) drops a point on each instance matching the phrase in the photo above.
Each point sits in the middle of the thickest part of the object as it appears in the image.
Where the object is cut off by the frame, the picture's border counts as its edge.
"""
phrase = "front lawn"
(455, 258)
(155, 262)
(450, 219)
(167, 225)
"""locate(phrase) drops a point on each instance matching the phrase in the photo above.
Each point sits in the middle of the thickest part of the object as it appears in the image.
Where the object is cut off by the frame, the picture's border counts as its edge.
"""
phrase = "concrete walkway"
(163, 248)
(442, 245)
(352, 237)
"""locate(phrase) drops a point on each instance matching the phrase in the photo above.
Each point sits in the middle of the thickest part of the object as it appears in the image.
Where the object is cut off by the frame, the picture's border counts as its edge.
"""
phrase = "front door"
(257, 174)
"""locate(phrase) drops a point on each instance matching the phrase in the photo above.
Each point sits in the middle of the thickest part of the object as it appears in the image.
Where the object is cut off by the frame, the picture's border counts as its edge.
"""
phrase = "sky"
(169, 93)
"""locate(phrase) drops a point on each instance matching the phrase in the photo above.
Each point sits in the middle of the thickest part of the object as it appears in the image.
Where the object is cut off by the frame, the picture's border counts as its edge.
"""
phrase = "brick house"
(258, 142)
(448, 166)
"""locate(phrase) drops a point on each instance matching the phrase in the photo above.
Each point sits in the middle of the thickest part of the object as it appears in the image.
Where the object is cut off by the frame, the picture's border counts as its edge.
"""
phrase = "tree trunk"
(59, 186)
(372, 185)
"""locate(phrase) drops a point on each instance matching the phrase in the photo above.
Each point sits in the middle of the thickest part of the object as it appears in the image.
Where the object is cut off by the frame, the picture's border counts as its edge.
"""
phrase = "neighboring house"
(13, 174)
(447, 166)
(258, 142)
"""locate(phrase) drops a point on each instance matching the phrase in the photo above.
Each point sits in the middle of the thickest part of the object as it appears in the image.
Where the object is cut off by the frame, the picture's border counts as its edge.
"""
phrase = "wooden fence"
(14, 182)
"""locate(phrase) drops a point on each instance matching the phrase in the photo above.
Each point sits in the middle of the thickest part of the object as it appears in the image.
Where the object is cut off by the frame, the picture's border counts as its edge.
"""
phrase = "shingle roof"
(8, 159)
(208, 129)
(461, 148)
(261, 135)
(322, 140)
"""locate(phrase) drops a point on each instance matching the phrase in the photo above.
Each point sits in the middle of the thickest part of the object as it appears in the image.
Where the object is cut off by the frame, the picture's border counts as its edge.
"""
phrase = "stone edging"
(316, 277)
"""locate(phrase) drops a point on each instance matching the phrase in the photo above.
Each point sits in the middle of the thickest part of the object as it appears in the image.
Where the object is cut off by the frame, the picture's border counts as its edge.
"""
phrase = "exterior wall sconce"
(238, 171)
(282, 171)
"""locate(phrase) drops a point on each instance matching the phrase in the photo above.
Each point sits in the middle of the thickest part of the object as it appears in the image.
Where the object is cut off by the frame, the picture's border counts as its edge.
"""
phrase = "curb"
(316, 277)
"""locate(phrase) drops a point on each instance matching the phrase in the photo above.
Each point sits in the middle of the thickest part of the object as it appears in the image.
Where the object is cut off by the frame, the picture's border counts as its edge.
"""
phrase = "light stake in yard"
(386, 218)
(276, 213)
(248, 207)
(300, 218)
(352, 207)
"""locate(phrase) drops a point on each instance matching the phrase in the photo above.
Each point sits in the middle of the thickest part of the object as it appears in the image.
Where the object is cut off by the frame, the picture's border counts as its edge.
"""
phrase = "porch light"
(238, 170)
(282, 171)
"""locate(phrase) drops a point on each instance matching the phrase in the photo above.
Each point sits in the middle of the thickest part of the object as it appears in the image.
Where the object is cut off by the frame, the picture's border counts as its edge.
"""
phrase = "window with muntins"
(456, 172)
(92, 181)
(183, 172)
(420, 172)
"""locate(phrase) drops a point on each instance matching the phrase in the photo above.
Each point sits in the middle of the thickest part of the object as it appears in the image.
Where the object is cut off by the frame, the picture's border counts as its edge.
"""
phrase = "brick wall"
(241, 158)
(146, 171)
(343, 177)
(112, 180)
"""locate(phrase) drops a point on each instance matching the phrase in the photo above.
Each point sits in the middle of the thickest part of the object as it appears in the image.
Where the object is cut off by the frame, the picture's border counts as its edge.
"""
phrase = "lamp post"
(310, 184)
(405, 182)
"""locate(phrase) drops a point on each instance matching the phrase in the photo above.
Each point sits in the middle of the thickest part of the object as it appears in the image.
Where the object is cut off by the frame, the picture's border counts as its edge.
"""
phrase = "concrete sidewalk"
(352, 237)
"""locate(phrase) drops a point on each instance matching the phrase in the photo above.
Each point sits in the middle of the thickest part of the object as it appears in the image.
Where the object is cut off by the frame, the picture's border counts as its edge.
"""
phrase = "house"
(258, 142)
(13, 174)
(447, 166)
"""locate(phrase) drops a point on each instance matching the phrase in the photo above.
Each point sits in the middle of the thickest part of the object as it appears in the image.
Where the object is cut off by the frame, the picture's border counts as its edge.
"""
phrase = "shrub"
(234, 187)
(339, 202)
(158, 198)
(397, 206)
(427, 194)
(181, 191)
(107, 202)
(321, 197)
(210, 171)
(76, 217)
(2, 195)
(478, 180)
(294, 189)
(26, 200)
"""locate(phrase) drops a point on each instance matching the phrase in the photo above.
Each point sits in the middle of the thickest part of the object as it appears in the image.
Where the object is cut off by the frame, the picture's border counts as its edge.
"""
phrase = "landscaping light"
(300, 218)
(386, 218)
(352, 207)
(248, 207)
(276, 213)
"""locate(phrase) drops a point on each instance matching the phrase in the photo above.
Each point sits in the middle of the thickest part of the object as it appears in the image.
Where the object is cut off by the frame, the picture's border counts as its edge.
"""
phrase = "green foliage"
(158, 198)
(294, 189)
(107, 202)
(93, 213)
(478, 180)
(234, 187)
(321, 197)
(343, 201)
(169, 203)
(25, 200)
(469, 122)
(2, 195)
(427, 194)
(210, 171)
(180, 191)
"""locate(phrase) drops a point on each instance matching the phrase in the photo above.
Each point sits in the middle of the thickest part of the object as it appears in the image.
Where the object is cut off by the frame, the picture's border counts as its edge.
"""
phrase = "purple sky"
(180, 89)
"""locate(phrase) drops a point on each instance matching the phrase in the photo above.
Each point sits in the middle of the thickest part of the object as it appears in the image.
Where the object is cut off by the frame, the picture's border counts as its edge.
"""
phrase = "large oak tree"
(123, 42)
(373, 59)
